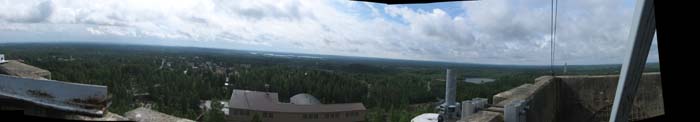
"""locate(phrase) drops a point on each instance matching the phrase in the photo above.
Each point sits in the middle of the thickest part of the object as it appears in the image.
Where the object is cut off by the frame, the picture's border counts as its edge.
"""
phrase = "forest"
(174, 80)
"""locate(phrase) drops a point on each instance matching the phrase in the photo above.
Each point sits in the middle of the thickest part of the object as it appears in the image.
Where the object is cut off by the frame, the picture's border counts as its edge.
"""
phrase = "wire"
(553, 34)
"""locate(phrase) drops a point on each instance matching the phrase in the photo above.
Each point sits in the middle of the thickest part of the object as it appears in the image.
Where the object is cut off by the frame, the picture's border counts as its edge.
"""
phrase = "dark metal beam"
(644, 27)
(68, 97)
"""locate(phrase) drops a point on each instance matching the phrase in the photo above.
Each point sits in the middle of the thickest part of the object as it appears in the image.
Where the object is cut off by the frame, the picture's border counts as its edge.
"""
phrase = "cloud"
(587, 31)
(494, 31)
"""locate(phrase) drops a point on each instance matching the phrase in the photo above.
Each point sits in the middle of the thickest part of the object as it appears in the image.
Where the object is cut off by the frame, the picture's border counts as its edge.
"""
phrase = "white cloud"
(587, 31)
(493, 31)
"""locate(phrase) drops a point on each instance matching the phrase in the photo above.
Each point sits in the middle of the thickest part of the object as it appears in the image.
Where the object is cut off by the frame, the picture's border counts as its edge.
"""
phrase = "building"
(142, 114)
(574, 98)
(246, 105)
(582, 98)
(207, 105)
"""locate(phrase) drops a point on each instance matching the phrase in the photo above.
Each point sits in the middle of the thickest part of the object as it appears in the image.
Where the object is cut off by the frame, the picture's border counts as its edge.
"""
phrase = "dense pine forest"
(174, 80)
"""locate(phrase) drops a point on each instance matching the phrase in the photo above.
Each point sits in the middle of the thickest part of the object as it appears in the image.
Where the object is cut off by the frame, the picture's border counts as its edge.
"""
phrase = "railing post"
(641, 34)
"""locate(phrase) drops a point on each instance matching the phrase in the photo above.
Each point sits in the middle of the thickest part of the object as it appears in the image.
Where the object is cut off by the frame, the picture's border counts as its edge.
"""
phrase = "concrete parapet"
(589, 98)
(520, 92)
(484, 116)
(575, 99)
(544, 110)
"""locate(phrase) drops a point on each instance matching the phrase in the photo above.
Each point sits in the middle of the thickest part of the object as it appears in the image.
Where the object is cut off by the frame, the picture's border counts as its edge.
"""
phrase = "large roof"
(268, 101)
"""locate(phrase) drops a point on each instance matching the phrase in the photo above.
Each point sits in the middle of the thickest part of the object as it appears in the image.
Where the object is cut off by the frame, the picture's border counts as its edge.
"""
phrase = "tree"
(256, 118)
(214, 114)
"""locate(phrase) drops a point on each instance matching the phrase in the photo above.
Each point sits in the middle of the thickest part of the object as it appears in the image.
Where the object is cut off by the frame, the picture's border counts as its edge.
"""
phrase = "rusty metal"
(65, 96)
(41, 94)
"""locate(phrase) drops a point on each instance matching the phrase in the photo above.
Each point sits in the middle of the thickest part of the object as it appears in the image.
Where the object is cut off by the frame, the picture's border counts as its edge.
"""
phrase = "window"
(309, 116)
(235, 112)
(244, 112)
(351, 114)
(332, 115)
(267, 115)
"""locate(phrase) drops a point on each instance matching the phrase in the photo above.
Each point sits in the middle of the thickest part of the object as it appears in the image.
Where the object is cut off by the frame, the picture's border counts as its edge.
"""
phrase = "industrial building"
(576, 98)
(246, 105)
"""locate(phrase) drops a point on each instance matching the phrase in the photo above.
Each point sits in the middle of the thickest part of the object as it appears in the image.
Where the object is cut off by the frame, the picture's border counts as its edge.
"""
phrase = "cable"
(553, 33)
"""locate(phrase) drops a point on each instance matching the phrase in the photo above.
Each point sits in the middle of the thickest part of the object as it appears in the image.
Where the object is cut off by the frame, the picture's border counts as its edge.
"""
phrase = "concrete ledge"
(581, 98)
(589, 98)
(484, 116)
(494, 109)
(543, 80)
(544, 101)
(520, 92)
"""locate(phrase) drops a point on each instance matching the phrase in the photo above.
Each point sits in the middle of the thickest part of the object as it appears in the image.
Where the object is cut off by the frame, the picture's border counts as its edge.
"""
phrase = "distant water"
(478, 80)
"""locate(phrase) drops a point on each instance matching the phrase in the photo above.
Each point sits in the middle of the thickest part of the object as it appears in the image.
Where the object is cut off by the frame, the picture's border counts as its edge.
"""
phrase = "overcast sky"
(487, 31)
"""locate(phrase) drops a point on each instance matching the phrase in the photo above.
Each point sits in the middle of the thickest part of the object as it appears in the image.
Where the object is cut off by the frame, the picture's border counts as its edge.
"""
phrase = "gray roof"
(109, 116)
(16, 68)
(268, 101)
(142, 114)
(304, 99)
(66, 96)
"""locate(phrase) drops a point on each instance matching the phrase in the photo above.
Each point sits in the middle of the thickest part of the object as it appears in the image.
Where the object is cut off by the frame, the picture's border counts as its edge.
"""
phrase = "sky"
(486, 32)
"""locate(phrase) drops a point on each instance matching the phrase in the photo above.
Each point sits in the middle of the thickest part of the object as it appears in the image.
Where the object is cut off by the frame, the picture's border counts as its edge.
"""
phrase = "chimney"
(450, 88)
(2, 58)
(450, 111)
(565, 65)
(267, 89)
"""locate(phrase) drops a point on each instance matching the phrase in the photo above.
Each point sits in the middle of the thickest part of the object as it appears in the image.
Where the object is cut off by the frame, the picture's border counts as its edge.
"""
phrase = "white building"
(2, 58)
